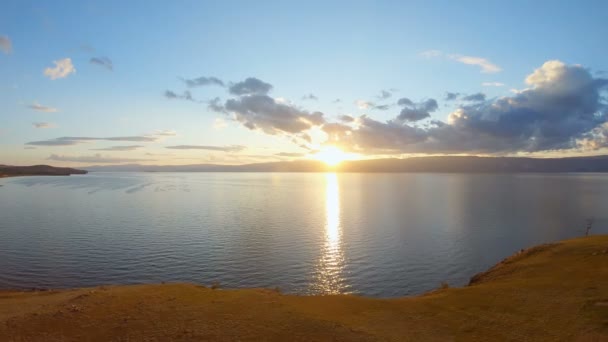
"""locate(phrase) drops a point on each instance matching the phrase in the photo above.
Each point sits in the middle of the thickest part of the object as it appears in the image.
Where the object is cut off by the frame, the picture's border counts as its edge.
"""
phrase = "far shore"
(550, 292)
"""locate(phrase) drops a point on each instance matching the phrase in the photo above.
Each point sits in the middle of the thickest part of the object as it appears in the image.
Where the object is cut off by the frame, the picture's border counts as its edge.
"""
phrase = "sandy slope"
(548, 293)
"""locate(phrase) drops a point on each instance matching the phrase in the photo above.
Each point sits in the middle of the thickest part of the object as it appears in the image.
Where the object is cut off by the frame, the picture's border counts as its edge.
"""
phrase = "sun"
(331, 155)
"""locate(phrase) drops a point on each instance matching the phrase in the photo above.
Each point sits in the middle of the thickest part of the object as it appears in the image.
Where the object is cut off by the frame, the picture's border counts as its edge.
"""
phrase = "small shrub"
(589, 226)
(444, 285)
(215, 285)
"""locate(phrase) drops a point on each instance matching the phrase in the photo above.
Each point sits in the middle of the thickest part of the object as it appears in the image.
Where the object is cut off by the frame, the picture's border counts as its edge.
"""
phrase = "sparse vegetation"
(215, 285)
(589, 225)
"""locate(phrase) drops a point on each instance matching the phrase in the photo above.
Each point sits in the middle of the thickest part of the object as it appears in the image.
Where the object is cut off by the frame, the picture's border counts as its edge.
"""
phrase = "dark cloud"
(404, 101)
(216, 105)
(561, 109)
(451, 96)
(186, 95)
(384, 94)
(264, 113)
(97, 158)
(102, 61)
(478, 97)
(250, 86)
(203, 81)
(346, 118)
(118, 148)
(231, 148)
(310, 97)
(68, 141)
(416, 111)
(43, 125)
(54, 142)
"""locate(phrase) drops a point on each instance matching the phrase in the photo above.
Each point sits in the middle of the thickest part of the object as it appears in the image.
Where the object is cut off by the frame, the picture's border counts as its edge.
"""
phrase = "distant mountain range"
(464, 164)
(38, 170)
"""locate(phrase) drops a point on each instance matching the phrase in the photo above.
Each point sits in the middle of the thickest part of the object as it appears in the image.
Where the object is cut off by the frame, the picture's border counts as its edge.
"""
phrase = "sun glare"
(331, 155)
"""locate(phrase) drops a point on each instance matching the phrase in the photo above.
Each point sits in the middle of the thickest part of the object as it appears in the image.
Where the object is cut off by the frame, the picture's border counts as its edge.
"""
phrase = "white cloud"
(219, 124)
(431, 54)
(493, 84)
(485, 65)
(362, 104)
(165, 132)
(63, 68)
(6, 45)
(40, 108)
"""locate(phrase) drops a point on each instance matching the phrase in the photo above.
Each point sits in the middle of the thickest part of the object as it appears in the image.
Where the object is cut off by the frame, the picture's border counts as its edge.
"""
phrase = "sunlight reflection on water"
(331, 264)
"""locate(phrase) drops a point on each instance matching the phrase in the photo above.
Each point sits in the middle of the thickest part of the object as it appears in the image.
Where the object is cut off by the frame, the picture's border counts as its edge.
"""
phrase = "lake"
(382, 235)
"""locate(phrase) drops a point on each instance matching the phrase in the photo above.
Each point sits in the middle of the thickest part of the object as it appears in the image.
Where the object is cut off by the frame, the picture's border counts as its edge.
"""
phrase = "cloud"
(203, 81)
(216, 105)
(478, 97)
(118, 148)
(493, 84)
(186, 95)
(250, 86)
(384, 94)
(97, 158)
(43, 125)
(431, 53)
(102, 61)
(416, 111)
(485, 65)
(561, 110)
(231, 148)
(69, 141)
(346, 118)
(6, 45)
(262, 112)
(310, 97)
(219, 124)
(451, 96)
(40, 108)
(362, 104)
(63, 68)
(290, 154)
(165, 133)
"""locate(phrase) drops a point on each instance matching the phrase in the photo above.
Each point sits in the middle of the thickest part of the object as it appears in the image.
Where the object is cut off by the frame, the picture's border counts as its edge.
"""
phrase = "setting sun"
(331, 155)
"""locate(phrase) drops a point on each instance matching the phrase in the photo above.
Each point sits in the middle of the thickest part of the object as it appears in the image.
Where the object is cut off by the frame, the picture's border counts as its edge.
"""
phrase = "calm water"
(374, 234)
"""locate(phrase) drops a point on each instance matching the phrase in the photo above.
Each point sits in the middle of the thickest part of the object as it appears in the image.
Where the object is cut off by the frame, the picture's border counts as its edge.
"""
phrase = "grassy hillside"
(556, 292)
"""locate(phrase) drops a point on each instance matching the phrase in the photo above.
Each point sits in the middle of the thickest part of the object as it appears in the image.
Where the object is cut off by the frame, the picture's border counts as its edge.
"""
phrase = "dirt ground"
(556, 292)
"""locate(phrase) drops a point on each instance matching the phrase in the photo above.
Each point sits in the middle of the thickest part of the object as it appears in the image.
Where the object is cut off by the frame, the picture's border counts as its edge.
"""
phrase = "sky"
(234, 82)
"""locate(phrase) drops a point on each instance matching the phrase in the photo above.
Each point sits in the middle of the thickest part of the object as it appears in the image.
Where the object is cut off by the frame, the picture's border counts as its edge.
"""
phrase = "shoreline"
(549, 292)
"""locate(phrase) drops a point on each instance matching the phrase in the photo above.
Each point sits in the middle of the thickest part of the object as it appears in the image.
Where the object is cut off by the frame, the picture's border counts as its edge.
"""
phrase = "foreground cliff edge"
(547, 293)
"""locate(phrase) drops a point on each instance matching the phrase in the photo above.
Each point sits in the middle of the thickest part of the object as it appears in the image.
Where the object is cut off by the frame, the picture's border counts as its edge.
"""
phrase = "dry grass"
(555, 292)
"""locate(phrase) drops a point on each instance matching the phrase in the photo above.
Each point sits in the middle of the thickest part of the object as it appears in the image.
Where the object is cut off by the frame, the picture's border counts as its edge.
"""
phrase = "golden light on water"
(331, 263)
(332, 210)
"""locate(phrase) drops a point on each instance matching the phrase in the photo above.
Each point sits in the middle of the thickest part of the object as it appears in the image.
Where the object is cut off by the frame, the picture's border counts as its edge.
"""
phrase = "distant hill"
(38, 170)
(454, 164)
